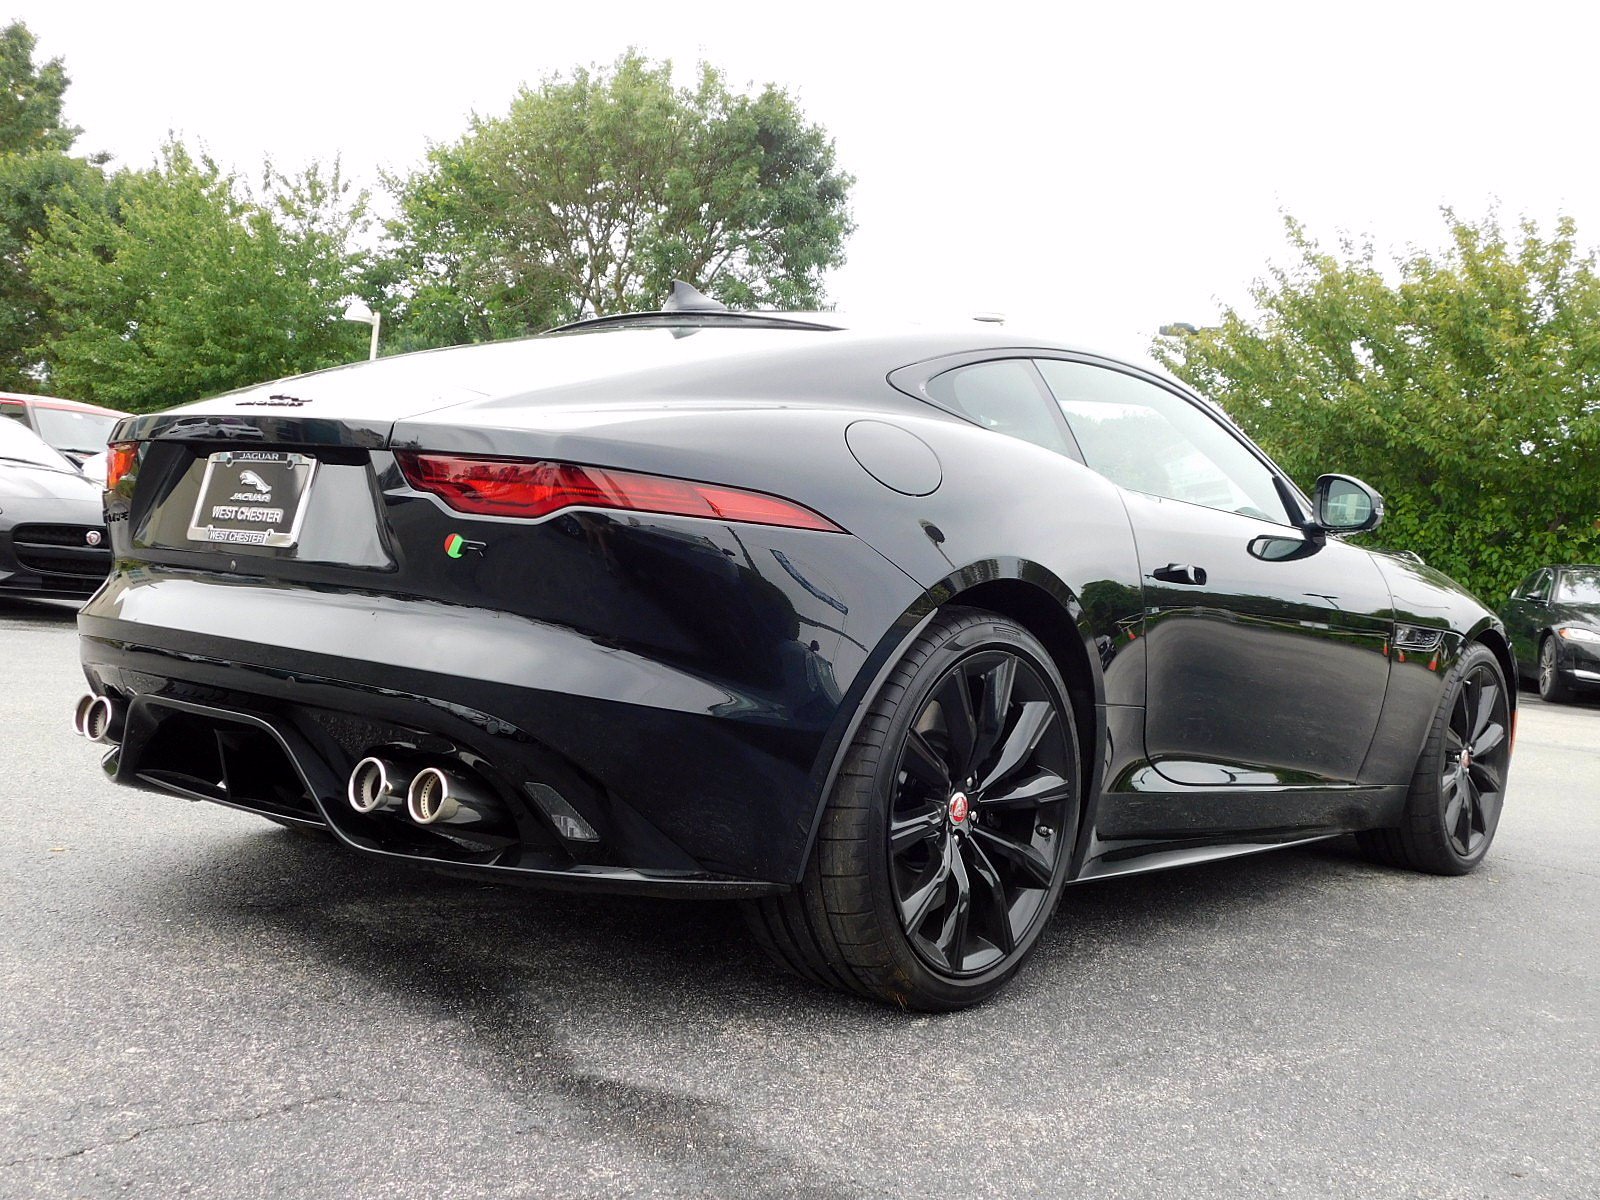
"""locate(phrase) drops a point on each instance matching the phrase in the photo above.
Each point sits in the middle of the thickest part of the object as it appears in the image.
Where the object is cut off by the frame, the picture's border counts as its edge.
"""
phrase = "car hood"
(21, 481)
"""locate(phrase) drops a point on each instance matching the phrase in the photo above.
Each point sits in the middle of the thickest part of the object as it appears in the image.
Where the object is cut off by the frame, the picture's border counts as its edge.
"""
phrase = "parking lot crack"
(220, 1119)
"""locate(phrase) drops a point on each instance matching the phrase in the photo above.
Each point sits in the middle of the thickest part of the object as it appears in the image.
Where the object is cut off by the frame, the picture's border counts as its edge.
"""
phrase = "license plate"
(252, 498)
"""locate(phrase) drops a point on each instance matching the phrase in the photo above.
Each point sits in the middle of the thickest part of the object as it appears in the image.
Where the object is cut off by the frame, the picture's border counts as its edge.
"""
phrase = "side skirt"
(1146, 831)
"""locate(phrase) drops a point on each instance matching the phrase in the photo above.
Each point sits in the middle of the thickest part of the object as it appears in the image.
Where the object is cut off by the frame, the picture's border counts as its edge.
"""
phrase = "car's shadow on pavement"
(492, 954)
(518, 974)
(525, 977)
(23, 613)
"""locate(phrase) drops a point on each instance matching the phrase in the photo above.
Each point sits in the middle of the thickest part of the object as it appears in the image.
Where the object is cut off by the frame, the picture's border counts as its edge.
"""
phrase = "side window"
(1004, 396)
(15, 411)
(1541, 586)
(1147, 439)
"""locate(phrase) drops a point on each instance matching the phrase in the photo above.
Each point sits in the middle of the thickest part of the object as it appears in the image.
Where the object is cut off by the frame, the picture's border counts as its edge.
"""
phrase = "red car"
(75, 429)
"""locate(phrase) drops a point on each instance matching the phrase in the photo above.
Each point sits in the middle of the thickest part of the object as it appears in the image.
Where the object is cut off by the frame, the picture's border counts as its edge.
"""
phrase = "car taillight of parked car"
(534, 488)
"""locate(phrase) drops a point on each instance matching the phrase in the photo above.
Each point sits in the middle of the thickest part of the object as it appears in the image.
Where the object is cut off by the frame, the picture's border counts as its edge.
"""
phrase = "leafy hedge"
(1463, 384)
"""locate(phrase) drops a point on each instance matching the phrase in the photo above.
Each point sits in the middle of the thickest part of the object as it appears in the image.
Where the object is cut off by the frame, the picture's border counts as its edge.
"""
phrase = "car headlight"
(1577, 633)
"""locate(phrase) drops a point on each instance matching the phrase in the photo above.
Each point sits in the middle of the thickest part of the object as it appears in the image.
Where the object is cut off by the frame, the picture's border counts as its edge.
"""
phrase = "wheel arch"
(1022, 591)
(1497, 641)
(1049, 618)
(1493, 635)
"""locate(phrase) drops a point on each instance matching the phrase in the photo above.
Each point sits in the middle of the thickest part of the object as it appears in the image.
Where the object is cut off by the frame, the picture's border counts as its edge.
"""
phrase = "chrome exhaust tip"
(85, 703)
(376, 786)
(99, 718)
(437, 797)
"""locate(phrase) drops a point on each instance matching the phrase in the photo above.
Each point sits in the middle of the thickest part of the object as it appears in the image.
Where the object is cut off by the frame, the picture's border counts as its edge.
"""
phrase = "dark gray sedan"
(1553, 619)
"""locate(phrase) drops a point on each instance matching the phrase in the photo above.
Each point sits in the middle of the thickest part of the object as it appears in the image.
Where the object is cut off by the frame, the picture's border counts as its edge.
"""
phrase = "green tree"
(36, 173)
(1464, 384)
(593, 192)
(30, 97)
(183, 284)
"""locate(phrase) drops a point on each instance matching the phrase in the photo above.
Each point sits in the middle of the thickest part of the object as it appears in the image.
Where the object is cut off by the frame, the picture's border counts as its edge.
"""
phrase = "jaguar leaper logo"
(455, 546)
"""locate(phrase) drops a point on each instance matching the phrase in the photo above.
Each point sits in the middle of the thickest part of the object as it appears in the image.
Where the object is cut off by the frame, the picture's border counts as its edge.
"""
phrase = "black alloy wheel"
(1477, 753)
(981, 796)
(1551, 687)
(1458, 790)
(948, 835)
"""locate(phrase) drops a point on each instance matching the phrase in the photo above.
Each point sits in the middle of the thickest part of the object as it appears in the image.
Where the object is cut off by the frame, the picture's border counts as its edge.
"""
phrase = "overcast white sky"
(1101, 169)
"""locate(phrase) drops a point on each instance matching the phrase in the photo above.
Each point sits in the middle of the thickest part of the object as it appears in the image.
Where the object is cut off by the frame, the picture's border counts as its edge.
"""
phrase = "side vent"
(1416, 639)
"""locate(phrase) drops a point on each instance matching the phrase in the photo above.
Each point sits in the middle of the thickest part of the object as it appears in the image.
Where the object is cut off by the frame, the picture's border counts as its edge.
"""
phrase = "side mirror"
(1346, 505)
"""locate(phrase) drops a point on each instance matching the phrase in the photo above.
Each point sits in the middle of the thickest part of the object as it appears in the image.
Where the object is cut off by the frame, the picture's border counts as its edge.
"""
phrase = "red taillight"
(500, 487)
(121, 459)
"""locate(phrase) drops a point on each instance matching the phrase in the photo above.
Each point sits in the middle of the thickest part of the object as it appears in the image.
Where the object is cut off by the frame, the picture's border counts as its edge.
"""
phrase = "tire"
(945, 842)
(1552, 688)
(1458, 788)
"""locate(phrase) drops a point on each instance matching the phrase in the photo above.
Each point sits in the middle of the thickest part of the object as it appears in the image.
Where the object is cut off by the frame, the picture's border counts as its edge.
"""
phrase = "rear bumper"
(692, 783)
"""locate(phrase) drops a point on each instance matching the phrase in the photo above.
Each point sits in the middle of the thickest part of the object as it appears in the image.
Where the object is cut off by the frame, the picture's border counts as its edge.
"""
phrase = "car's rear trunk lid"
(361, 405)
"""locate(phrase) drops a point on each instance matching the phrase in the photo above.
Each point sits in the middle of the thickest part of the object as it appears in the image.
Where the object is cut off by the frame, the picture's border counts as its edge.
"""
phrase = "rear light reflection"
(122, 458)
(498, 487)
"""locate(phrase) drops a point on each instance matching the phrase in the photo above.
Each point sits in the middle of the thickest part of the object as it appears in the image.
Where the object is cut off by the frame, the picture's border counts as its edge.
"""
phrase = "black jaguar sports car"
(890, 633)
(52, 533)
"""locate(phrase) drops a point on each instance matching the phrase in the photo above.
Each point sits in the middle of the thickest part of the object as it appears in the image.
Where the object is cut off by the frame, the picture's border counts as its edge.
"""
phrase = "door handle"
(1181, 573)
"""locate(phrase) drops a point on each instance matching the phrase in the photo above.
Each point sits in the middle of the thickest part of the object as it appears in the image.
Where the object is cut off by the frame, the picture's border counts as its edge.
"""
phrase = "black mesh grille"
(63, 550)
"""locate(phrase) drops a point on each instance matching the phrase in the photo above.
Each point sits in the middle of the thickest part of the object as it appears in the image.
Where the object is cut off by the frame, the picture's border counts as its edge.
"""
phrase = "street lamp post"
(358, 311)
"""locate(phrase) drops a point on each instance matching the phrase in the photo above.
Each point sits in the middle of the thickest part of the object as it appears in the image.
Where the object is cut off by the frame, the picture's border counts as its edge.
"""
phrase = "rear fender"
(1012, 587)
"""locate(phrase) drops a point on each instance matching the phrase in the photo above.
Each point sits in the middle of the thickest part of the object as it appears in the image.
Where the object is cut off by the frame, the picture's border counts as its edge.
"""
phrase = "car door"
(1526, 613)
(1266, 653)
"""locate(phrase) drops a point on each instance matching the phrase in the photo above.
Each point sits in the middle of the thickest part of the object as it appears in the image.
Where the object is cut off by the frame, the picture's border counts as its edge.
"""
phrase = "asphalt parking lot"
(194, 1002)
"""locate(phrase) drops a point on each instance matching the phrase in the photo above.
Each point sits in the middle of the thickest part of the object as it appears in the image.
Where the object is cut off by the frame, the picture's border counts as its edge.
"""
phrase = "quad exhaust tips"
(430, 796)
(99, 718)
(437, 797)
(377, 786)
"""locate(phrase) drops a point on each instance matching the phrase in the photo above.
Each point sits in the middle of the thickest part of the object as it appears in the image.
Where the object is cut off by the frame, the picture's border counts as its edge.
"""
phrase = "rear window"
(1003, 396)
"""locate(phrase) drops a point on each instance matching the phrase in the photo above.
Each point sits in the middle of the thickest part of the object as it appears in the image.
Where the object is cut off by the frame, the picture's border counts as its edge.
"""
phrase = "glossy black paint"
(689, 686)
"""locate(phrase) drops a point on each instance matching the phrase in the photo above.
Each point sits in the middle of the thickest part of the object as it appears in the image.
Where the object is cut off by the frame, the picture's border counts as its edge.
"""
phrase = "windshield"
(71, 429)
(1579, 585)
(17, 441)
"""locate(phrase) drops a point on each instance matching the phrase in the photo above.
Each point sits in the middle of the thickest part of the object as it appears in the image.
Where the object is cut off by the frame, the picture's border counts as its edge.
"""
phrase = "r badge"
(455, 546)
